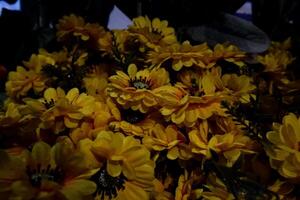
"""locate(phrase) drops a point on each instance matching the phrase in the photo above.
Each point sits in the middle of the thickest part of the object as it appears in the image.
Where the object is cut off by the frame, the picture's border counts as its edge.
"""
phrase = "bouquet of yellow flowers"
(137, 114)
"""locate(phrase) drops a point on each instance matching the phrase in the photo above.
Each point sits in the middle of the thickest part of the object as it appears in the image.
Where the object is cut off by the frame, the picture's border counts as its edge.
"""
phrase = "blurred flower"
(153, 33)
(11, 116)
(99, 120)
(284, 152)
(275, 64)
(36, 62)
(75, 26)
(68, 25)
(96, 82)
(20, 82)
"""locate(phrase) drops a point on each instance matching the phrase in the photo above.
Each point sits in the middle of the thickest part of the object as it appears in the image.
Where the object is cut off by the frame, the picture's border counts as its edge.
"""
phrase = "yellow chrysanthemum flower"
(284, 154)
(121, 153)
(210, 82)
(21, 81)
(181, 108)
(202, 82)
(153, 33)
(96, 82)
(276, 60)
(37, 61)
(134, 90)
(169, 139)
(17, 125)
(127, 167)
(238, 87)
(275, 63)
(55, 173)
(227, 52)
(60, 57)
(75, 26)
(92, 33)
(99, 120)
(11, 116)
(181, 55)
(58, 110)
(230, 145)
(69, 25)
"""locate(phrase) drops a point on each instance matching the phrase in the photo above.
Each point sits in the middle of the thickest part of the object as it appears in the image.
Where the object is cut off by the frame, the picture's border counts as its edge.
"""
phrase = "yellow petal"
(41, 154)
(132, 70)
(79, 189)
(113, 168)
(50, 94)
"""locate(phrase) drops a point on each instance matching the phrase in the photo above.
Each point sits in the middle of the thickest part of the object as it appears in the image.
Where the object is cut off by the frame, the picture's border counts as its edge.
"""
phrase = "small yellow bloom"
(75, 26)
(96, 82)
(238, 87)
(227, 52)
(11, 116)
(36, 62)
(21, 81)
(59, 110)
(276, 60)
(69, 24)
(169, 139)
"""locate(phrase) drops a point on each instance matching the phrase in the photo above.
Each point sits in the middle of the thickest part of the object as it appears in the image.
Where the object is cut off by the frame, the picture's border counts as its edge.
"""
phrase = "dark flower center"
(107, 185)
(38, 174)
(132, 116)
(140, 83)
(49, 104)
(165, 167)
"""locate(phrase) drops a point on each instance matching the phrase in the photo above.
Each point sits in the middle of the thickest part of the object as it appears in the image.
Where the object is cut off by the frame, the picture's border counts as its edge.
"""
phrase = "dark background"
(22, 33)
